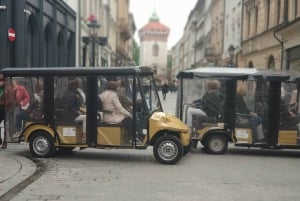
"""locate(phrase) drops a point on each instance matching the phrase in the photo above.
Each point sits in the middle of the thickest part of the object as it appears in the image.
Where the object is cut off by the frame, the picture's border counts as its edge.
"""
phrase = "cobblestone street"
(93, 174)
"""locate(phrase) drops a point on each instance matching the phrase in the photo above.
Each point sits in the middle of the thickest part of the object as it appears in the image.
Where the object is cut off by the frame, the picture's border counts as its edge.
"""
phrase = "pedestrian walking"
(165, 89)
(2, 108)
(2, 111)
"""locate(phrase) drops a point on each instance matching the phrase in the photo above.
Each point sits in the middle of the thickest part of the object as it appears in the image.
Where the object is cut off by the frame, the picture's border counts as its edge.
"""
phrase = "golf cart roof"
(239, 73)
(61, 71)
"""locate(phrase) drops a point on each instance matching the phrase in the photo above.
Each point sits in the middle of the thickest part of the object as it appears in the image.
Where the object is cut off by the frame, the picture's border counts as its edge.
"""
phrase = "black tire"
(187, 149)
(216, 144)
(194, 144)
(168, 149)
(41, 144)
(65, 149)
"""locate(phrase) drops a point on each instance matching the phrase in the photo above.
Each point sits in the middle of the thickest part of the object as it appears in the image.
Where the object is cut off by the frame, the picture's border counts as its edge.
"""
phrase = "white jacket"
(113, 112)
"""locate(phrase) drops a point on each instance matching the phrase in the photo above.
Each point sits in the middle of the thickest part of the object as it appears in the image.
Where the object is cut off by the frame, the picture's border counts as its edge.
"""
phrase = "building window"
(267, 13)
(278, 11)
(249, 23)
(155, 50)
(71, 51)
(31, 42)
(294, 58)
(297, 8)
(48, 56)
(60, 52)
(250, 64)
(29, 46)
(256, 20)
(292, 9)
(271, 62)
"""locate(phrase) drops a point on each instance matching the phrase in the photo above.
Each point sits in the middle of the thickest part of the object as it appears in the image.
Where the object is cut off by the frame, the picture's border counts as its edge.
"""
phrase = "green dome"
(154, 17)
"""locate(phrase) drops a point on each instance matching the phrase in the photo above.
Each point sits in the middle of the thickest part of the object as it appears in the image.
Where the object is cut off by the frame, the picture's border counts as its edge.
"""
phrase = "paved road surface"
(241, 174)
(127, 175)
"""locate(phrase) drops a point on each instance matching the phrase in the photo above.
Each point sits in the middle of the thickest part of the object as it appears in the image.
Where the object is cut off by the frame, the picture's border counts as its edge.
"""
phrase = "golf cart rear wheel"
(41, 144)
(216, 144)
(194, 144)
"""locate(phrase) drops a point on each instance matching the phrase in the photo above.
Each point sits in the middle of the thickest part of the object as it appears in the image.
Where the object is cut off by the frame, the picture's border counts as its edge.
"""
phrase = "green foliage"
(136, 53)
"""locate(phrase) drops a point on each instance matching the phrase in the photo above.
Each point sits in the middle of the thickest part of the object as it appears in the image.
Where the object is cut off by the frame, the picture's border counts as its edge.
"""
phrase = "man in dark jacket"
(212, 100)
(165, 89)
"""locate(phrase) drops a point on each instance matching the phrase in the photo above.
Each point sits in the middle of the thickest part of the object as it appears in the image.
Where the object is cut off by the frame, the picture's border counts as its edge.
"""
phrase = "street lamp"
(94, 26)
(231, 51)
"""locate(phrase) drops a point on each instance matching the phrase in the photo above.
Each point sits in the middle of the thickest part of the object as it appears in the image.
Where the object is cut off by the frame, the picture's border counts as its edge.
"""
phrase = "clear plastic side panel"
(116, 118)
(146, 105)
(151, 97)
(203, 102)
(251, 112)
(70, 111)
(23, 102)
(289, 114)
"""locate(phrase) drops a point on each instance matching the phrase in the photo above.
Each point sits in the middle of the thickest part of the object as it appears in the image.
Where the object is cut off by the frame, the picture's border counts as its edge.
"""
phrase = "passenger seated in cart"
(210, 107)
(72, 100)
(288, 119)
(113, 111)
(247, 117)
(212, 100)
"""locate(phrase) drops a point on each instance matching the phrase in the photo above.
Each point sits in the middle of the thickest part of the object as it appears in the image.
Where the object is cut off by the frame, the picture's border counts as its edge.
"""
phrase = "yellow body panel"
(30, 130)
(204, 130)
(287, 137)
(243, 135)
(70, 134)
(116, 135)
(110, 135)
(161, 121)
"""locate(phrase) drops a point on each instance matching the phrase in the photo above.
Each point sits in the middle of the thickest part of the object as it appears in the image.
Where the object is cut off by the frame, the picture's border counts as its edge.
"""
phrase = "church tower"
(153, 47)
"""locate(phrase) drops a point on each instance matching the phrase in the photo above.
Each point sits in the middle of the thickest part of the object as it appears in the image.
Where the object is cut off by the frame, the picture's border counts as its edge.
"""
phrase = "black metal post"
(93, 50)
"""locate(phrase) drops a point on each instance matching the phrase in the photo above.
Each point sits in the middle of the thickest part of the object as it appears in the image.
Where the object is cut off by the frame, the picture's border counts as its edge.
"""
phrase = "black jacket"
(212, 103)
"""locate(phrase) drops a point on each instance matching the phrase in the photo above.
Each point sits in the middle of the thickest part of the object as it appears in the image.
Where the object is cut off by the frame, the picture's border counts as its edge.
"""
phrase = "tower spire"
(154, 16)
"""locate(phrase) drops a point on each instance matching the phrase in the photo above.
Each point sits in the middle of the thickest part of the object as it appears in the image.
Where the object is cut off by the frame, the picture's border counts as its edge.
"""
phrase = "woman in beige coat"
(113, 111)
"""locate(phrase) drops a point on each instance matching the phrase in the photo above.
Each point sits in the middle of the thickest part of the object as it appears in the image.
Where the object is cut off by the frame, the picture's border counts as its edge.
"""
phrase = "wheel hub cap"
(41, 145)
(167, 150)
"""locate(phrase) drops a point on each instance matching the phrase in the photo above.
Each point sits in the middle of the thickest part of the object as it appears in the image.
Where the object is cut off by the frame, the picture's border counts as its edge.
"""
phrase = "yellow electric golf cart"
(243, 106)
(60, 128)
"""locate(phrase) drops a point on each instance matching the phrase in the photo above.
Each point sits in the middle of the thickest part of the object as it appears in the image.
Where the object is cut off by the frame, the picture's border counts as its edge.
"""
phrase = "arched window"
(31, 43)
(71, 50)
(250, 64)
(48, 54)
(155, 50)
(60, 48)
(271, 62)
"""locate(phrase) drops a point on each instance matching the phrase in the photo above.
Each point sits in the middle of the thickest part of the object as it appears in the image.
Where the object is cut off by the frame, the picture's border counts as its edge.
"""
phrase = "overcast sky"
(172, 13)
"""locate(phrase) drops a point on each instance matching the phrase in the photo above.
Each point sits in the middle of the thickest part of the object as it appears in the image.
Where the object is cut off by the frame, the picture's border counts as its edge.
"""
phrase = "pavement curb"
(23, 169)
